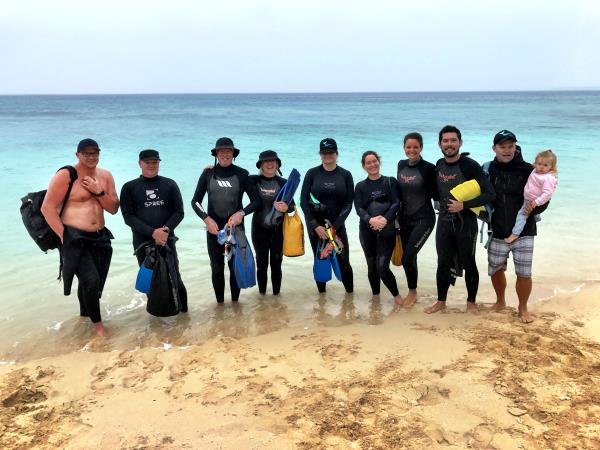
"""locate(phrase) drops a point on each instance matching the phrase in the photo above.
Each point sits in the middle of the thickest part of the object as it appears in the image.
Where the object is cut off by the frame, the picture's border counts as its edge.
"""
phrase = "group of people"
(387, 207)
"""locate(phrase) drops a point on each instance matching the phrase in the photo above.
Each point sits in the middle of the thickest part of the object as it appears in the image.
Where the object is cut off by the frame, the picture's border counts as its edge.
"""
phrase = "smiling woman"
(377, 200)
(225, 185)
(326, 198)
(268, 238)
(417, 218)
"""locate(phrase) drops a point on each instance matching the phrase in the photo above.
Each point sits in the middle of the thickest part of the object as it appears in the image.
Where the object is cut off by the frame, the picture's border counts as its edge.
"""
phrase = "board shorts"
(522, 250)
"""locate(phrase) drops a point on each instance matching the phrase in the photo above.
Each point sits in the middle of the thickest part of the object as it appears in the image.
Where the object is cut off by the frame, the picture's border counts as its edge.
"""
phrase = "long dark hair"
(367, 153)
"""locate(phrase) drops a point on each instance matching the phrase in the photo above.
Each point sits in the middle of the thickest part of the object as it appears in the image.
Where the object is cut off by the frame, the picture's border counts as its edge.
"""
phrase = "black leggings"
(217, 267)
(378, 252)
(92, 271)
(86, 255)
(343, 260)
(180, 286)
(454, 236)
(413, 236)
(268, 241)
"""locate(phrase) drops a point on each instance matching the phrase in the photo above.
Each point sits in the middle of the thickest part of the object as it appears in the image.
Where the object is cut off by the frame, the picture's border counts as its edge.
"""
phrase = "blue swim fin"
(321, 267)
(144, 277)
(285, 194)
(243, 263)
(335, 266)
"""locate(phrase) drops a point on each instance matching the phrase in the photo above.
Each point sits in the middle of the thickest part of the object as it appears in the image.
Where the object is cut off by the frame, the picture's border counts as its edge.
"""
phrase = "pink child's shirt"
(540, 187)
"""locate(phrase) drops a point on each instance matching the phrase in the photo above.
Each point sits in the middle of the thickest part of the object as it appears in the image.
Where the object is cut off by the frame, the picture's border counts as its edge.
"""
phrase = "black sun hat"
(267, 155)
(224, 143)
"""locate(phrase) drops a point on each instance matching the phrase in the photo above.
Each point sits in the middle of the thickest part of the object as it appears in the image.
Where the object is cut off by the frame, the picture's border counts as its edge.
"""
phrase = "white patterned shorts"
(522, 250)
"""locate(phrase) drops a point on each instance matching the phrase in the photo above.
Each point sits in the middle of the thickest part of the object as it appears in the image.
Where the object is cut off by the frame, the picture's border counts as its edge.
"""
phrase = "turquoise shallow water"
(38, 134)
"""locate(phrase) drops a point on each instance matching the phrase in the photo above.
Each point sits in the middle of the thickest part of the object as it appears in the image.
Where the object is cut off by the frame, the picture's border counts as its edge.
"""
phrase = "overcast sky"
(181, 46)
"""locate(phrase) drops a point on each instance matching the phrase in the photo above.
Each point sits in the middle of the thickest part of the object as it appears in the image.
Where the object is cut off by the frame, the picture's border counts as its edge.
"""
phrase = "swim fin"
(243, 262)
(144, 276)
(285, 194)
(321, 267)
(335, 266)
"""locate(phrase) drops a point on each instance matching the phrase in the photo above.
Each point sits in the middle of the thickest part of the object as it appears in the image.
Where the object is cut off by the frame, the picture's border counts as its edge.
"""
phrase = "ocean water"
(38, 134)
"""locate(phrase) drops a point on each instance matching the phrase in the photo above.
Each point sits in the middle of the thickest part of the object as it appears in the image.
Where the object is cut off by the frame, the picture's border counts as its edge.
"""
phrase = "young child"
(539, 188)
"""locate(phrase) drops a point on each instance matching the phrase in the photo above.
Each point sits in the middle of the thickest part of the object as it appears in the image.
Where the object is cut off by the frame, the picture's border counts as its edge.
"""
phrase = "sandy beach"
(449, 380)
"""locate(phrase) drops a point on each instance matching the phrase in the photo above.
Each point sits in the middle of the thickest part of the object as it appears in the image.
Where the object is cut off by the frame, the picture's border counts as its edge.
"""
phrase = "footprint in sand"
(481, 436)
(24, 396)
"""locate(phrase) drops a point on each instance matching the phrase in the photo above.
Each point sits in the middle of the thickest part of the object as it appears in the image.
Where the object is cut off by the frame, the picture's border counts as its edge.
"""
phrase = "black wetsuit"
(417, 218)
(335, 192)
(268, 242)
(86, 255)
(456, 233)
(150, 203)
(378, 198)
(225, 187)
(508, 180)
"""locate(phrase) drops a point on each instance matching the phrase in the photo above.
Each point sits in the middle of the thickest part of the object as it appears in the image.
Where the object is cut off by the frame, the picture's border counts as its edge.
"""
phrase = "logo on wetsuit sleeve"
(152, 198)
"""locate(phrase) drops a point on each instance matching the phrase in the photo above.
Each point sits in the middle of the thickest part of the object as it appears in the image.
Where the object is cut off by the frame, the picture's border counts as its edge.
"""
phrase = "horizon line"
(579, 89)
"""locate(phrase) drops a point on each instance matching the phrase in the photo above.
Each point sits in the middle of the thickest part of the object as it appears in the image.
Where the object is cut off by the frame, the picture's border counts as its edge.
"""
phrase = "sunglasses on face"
(90, 154)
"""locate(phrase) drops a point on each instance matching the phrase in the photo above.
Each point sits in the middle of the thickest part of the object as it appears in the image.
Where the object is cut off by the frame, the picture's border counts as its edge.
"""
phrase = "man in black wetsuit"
(508, 174)
(333, 188)
(456, 232)
(152, 206)
(225, 185)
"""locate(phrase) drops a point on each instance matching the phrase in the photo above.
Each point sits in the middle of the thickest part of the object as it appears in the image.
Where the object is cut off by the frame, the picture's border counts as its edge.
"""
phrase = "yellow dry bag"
(293, 234)
(398, 252)
(468, 191)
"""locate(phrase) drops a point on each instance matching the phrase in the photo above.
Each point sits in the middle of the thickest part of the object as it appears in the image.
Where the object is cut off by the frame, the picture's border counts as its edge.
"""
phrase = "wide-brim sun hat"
(225, 143)
(267, 155)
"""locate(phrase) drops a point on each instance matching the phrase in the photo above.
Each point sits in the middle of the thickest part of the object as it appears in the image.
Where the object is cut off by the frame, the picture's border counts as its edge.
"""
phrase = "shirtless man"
(86, 249)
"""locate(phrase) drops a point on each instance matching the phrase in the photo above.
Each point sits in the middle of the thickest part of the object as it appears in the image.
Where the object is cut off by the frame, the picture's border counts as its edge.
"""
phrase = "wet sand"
(409, 380)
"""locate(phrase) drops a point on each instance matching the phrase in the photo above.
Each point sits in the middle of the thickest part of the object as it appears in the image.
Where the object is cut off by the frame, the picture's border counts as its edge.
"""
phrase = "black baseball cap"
(149, 154)
(87, 142)
(504, 135)
(225, 143)
(328, 145)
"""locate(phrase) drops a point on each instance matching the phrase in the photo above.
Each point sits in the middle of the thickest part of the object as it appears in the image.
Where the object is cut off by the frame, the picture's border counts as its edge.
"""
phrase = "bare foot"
(511, 238)
(100, 330)
(398, 300)
(437, 306)
(411, 298)
(499, 306)
(472, 308)
(526, 317)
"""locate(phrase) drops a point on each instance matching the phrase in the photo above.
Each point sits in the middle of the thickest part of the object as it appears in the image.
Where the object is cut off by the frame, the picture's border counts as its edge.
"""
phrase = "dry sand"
(415, 381)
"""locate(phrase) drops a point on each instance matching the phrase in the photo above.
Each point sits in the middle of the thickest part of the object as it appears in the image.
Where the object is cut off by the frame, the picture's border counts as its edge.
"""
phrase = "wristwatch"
(100, 194)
